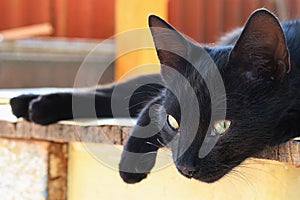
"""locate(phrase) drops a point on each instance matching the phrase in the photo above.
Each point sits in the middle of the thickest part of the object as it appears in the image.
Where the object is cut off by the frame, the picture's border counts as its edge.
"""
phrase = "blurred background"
(200, 19)
(44, 41)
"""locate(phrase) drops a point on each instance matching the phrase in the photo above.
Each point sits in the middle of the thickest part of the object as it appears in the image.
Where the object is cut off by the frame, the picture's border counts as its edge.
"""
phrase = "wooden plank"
(107, 133)
(63, 133)
(57, 171)
(288, 152)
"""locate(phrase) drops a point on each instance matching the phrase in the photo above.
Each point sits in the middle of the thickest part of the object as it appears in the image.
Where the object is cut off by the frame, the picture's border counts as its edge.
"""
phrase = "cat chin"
(208, 179)
(205, 177)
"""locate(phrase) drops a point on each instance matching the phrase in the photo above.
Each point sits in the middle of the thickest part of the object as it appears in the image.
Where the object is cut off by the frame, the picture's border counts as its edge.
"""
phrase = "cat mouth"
(208, 178)
(202, 176)
(212, 176)
(187, 173)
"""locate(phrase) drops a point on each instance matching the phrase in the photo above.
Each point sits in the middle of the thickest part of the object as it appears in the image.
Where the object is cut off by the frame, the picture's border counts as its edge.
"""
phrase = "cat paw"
(135, 167)
(46, 109)
(132, 177)
(20, 105)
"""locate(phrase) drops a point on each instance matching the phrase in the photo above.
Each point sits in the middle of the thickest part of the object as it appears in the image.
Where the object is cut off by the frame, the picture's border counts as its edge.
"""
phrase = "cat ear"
(171, 46)
(261, 47)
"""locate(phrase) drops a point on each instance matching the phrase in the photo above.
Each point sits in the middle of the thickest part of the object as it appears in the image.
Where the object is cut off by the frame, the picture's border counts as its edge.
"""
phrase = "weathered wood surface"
(110, 133)
(64, 132)
(57, 171)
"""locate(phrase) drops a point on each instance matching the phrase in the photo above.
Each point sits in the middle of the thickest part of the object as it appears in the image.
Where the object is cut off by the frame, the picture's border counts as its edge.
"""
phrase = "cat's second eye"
(221, 126)
(172, 122)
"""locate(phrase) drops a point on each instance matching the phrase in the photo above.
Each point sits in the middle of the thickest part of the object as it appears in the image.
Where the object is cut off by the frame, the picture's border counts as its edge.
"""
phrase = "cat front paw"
(20, 105)
(135, 167)
(41, 109)
(132, 177)
(48, 109)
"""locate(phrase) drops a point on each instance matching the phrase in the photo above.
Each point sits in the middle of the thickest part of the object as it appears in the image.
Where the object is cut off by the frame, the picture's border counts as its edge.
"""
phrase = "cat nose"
(188, 171)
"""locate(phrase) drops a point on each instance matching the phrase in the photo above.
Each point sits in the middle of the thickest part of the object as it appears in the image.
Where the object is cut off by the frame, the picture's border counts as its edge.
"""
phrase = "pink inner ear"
(155, 21)
(171, 47)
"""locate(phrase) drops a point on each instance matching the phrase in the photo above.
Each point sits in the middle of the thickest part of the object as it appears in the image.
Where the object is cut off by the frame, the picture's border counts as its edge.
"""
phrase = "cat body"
(260, 70)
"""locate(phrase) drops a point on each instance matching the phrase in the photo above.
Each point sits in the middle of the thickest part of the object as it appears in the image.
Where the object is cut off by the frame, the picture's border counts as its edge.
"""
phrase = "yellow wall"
(256, 179)
(131, 15)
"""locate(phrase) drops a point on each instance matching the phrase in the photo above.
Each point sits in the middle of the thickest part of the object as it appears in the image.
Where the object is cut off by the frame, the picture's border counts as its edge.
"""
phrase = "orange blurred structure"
(202, 20)
(133, 38)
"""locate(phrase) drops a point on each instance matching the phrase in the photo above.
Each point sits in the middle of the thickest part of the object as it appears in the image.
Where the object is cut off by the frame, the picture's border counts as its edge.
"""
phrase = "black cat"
(260, 75)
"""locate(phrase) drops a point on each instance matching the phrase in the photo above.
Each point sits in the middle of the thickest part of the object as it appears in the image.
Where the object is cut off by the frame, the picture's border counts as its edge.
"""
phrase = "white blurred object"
(26, 31)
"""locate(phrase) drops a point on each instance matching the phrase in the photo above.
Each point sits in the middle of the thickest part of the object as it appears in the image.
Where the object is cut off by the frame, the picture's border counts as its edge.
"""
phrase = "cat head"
(213, 126)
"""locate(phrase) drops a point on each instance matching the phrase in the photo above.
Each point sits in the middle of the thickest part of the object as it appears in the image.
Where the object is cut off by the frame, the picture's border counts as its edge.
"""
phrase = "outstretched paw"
(43, 109)
(20, 105)
(135, 167)
(48, 109)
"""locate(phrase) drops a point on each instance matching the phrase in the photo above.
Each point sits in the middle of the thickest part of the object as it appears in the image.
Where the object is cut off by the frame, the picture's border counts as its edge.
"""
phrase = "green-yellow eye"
(221, 126)
(172, 122)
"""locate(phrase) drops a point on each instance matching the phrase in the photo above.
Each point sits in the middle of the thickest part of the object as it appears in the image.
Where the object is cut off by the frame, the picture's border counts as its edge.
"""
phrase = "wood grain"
(288, 152)
(57, 171)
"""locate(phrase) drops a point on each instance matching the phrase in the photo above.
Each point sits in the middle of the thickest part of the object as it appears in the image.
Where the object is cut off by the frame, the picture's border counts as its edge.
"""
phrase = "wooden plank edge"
(288, 152)
(63, 133)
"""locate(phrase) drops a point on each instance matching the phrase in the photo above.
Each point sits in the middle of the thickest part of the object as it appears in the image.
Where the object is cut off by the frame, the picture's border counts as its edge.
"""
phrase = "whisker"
(141, 92)
(150, 152)
(167, 151)
(265, 172)
(160, 142)
(152, 144)
(137, 104)
(241, 176)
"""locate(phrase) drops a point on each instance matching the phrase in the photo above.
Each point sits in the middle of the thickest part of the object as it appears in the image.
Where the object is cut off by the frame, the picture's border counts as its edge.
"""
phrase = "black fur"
(261, 77)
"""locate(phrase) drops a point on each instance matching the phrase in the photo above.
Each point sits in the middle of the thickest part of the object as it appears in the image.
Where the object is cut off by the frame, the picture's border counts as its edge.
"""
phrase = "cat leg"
(20, 105)
(50, 108)
(140, 149)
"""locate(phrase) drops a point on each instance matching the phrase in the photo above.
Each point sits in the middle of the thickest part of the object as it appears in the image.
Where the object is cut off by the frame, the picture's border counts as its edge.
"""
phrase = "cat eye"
(172, 122)
(221, 126)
